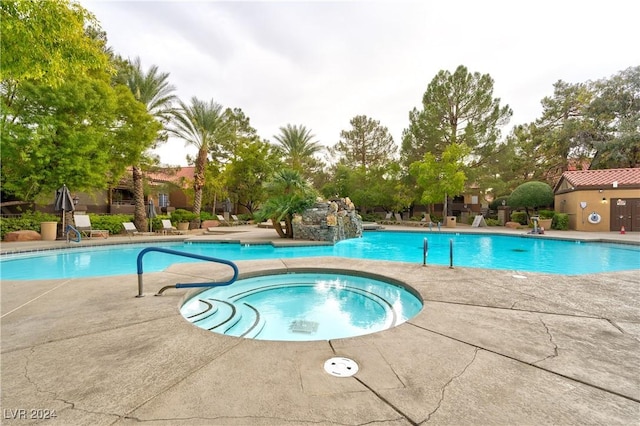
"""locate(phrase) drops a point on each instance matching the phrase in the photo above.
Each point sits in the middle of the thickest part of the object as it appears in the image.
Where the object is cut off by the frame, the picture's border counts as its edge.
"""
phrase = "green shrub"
(207, 216)
(546, 214)
(370, 217)
(112, 222)
(519, 217)
(495, 204)
(182, 215)
(245, 217)
(531, 195)
(29, 221)
(492, 222)
(560, 222)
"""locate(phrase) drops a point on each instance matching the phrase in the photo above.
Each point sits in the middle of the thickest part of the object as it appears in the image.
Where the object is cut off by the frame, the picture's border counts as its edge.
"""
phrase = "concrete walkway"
(488, 348)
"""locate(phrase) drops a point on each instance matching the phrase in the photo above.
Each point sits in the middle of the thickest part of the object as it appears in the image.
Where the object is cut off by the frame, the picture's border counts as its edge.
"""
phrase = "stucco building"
(600, 200)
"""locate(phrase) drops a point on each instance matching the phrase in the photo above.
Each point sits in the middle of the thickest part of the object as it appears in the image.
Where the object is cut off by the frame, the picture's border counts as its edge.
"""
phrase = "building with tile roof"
(166, 188)
(600, 200)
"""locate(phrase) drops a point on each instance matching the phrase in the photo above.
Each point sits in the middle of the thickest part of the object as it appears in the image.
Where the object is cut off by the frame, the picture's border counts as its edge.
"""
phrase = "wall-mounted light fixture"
(604, 200)
(76, 199)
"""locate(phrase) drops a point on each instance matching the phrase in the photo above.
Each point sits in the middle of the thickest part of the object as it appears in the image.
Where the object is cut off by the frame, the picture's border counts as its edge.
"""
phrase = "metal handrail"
(71, 228)
(184, 285)
(425, 252)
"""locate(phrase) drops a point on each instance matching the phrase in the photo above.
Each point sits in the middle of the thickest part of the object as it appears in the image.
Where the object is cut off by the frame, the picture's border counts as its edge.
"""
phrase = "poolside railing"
(425, 253)
(184, 285)
(70, 229)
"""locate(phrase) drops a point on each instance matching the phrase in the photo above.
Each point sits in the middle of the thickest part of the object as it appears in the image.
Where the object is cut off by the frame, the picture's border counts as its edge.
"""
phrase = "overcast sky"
(321, 63)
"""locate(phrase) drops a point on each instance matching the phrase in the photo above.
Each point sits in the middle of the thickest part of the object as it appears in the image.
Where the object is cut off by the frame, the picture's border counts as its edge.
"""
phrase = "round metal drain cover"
(341, 367)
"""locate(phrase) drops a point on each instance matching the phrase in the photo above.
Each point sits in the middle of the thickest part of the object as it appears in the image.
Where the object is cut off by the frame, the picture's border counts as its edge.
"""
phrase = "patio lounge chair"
(131, 230)
(426, 220)
(266, 224)
(168, 228)
(238, 221)
(223, 221)
(83, 225)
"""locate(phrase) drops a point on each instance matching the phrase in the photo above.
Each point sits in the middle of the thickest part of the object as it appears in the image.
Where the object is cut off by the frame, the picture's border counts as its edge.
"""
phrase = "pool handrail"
(425, 251)
(71, 228)
(184, 285)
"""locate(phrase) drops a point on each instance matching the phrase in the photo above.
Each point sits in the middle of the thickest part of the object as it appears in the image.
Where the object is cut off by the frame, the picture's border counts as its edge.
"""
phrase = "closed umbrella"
(151, 213)
(64, 203)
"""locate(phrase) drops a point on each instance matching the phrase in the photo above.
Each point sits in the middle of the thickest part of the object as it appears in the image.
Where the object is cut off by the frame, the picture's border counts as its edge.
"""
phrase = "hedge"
(29, 221)
(560, 222)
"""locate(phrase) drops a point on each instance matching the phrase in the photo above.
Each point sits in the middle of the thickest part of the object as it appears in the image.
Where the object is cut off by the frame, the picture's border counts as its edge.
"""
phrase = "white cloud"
(321, 63)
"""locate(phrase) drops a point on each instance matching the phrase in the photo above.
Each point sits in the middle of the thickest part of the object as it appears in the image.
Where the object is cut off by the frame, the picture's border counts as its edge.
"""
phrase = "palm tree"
(297, 144)
(203, 125)
(288, 193)
(152, 89)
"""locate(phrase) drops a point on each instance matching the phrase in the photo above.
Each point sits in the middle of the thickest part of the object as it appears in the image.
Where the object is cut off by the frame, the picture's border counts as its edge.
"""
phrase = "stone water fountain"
(332, 220)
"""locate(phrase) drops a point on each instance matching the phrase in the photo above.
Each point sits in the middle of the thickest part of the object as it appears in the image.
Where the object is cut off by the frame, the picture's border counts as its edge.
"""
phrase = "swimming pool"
(302, 307)
(517, 253)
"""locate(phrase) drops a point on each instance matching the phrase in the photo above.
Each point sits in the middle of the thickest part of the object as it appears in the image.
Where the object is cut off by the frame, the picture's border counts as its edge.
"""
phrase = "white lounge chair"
(223, 221)
(266, 224)
(83, 225)
(130, 229)
(426, 220)
(238, 221)
(168, 228)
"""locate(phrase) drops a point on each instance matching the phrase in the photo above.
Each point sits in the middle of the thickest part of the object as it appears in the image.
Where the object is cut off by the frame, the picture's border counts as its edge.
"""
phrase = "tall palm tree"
(203, 125)
(298, 146)
(152, 89)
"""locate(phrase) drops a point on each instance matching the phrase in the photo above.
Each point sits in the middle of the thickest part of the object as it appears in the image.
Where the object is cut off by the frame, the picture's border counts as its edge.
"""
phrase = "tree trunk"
(278, 227)
(199, 180)
(444, 209)
(139, 212)
(288, 226)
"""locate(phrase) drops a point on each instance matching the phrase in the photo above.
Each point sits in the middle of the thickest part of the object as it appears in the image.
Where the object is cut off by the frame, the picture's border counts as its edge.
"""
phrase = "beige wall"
(569, 203)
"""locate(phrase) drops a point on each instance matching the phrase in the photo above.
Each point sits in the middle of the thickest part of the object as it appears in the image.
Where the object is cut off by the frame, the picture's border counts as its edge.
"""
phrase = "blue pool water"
(302, 307)
(470, 250)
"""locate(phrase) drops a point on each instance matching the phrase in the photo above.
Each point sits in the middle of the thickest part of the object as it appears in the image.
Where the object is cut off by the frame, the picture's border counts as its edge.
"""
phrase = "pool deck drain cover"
(341, 367)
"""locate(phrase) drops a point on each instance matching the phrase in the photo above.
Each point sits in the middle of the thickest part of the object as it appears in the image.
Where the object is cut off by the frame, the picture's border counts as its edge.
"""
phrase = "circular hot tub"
(302, 306)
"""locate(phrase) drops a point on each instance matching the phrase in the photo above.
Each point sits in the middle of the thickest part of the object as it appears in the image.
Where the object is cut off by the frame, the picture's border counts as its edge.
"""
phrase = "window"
(163, 200)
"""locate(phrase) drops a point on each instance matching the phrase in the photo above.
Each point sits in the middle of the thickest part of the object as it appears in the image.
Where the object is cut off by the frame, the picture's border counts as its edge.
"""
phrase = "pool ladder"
(425, 252)
(184, 285)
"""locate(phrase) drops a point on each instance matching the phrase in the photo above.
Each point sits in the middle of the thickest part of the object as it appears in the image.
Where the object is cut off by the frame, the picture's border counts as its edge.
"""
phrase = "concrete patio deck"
(487, 348)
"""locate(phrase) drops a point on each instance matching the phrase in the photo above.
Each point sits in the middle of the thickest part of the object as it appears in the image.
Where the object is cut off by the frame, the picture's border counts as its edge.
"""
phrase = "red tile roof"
(172, 176)
(605, 177)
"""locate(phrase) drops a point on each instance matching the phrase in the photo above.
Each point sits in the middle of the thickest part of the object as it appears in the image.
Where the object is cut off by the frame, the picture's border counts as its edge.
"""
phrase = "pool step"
(198, 310)
(233, 319)
(214, 314)
(250, 324)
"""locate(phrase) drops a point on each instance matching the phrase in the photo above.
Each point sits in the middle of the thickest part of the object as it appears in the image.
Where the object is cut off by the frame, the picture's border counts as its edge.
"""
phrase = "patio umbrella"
(63, 203)
(151, 213)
